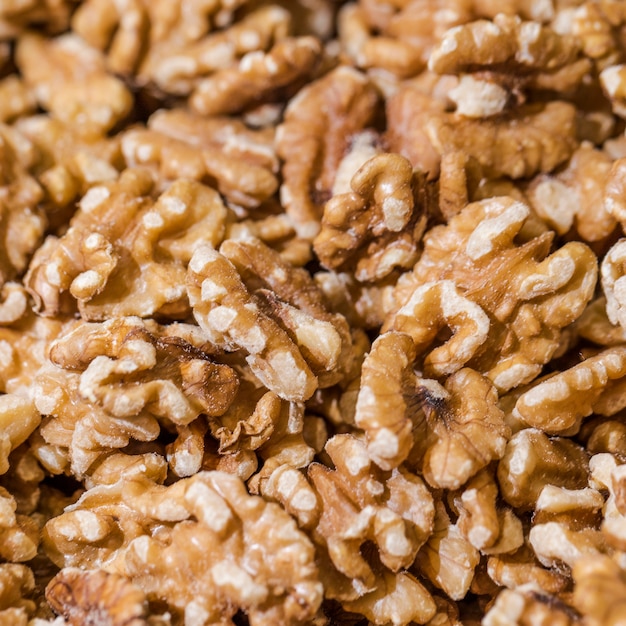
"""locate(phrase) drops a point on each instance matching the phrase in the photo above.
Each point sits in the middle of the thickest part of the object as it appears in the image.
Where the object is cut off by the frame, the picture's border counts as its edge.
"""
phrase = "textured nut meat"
(231, 320)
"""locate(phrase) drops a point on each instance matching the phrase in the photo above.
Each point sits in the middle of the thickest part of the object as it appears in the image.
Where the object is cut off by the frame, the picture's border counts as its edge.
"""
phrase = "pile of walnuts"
(312, 313)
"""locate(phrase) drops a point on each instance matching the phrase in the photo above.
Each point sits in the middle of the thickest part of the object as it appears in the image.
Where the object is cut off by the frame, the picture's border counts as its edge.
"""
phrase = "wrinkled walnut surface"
(312, 312)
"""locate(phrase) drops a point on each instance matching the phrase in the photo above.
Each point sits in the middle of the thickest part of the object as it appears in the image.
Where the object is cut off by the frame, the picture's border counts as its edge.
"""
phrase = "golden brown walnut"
(521, 568)
(17, 583)
(401, 599)
(125, 253)
(72, 159)
(448, 559)
(556, 544)
(546, 134)
(576, 508)
(16, 99)
(221, 151)
(487, 525)
(575, 196)
(498, 261)
(409, 417)
(18, 419)
(157, 39)
(528, 605)
(70, 80)
(599, 590)
(258, 77)
(83, 596)
(532, 460)
(408, 110)
(560, 402)
(432, 307)
(231, 320)
(597, 25)
(22, 223)
(595, 325)
(377, 225)
(512, 49)
(358, 503)
(294, 300)
(130, 368)
(14, 303)
(50, 16)
(401, 42)
(247, 553)
(19, 534)
(120, 378)
(316, 131)
(24, 350)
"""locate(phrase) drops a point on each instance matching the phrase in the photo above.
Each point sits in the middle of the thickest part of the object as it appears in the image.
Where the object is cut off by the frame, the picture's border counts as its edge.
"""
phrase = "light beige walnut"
(496, 259)
(22, 223)
(448, 559)
(257, 77)
(546, 133)
(125, 253)
(613, 197)
(240, 161)
(313, 137)
(377, 225)
(231, 320)
(78, 595)
(14, 303)
(532, 460)
(70, 80)
(555, 543)
(575, 197)
(358, 503)
(253, 556)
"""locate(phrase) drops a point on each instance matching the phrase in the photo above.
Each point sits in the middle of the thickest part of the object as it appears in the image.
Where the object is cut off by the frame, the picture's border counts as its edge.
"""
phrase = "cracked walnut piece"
(376, 224)
(247, 553)
(448, 431)
(231, 320)
(125, 253)
(498, 261)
